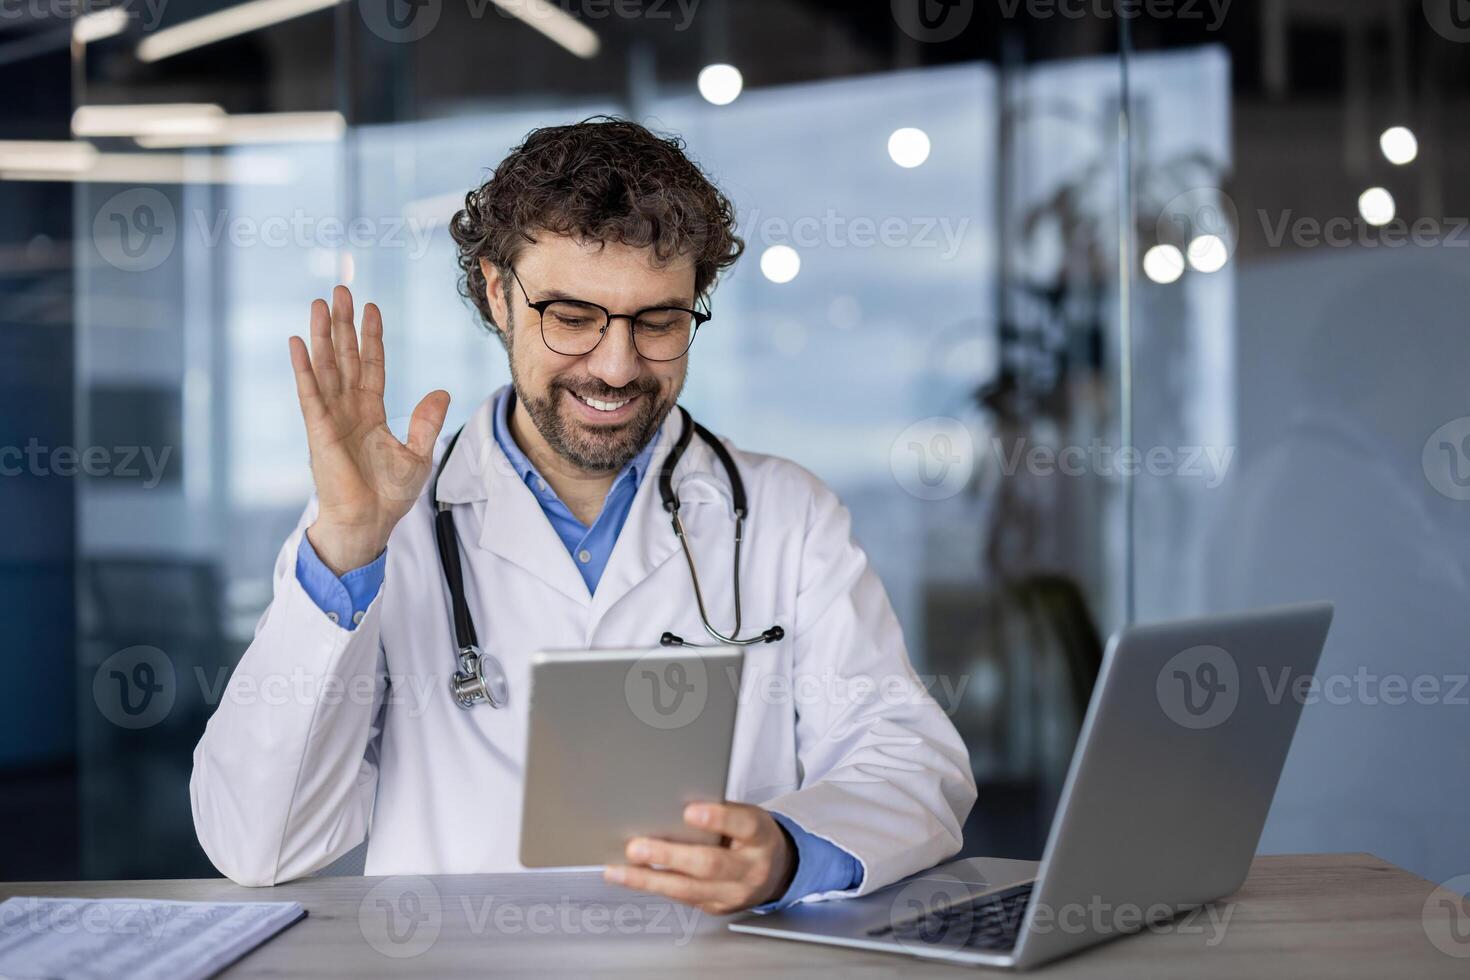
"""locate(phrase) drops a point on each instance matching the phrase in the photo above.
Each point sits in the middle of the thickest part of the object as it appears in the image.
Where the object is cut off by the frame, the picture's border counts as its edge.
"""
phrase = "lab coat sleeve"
(285, 774)
(885, 776)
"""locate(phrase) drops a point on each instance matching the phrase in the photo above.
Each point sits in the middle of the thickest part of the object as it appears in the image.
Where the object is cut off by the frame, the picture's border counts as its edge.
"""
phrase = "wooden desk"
(1336, 916)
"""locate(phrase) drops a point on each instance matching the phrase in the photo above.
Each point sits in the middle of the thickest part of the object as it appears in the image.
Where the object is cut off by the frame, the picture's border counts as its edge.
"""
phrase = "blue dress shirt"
(590, 547)
(820, 865)
(344, 600)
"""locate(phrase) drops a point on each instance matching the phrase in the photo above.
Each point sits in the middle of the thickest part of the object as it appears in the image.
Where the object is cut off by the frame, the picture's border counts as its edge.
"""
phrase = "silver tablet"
(618, 742)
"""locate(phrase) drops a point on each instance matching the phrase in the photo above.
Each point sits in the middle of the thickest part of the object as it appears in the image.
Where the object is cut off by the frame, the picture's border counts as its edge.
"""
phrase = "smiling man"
(592, 253)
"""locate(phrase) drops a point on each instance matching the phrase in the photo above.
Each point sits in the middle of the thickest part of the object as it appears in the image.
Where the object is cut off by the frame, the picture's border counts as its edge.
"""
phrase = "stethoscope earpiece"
(771, 635)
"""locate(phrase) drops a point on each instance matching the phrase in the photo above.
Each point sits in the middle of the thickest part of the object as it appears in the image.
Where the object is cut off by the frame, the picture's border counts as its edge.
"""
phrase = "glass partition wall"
(1299, 324)
(928, 315)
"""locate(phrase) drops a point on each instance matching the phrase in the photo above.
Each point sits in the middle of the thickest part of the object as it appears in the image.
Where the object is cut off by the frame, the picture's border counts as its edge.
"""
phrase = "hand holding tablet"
(755, 868)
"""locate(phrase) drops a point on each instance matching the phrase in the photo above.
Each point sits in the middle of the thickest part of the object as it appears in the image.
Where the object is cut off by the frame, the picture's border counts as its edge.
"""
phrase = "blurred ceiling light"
(1377, 207)
(47, 156)
(555, 23)
(780, 263)
(908, 147)
(230, 22)
(1207, 253)
(720, 84)
(18, 163)
(1399, 145)
(264, 127)
(132, 120)
(100, 24)
(1163, 264)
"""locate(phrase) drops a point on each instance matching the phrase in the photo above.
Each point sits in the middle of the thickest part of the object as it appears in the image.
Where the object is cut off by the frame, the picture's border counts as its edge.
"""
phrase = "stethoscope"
(480, 676)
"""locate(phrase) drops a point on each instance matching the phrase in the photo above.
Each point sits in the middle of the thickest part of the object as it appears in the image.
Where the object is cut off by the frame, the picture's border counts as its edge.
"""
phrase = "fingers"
(737, 821)
(755, 868)
(716, 897)
(313, 409)
(694, 860)
(373, 365)
(323, 357)
(344, 337)
(427, 420)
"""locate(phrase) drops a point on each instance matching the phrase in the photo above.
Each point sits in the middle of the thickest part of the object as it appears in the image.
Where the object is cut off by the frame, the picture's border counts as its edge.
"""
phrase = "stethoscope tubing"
(480, 675)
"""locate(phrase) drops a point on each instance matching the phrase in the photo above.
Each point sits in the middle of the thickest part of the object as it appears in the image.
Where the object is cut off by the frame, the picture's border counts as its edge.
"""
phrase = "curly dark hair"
(603, 179)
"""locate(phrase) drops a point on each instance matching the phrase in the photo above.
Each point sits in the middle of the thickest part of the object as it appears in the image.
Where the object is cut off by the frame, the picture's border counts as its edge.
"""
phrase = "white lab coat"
(325, 735)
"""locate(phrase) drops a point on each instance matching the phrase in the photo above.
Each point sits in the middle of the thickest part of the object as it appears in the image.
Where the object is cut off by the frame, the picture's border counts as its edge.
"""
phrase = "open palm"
(366, 479)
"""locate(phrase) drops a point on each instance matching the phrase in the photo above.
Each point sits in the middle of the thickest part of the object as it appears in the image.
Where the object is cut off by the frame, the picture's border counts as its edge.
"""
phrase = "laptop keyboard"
(990, 922)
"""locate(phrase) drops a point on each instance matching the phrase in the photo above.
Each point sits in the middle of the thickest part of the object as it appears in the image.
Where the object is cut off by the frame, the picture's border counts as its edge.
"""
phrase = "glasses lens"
(663, 334)
(572, 328)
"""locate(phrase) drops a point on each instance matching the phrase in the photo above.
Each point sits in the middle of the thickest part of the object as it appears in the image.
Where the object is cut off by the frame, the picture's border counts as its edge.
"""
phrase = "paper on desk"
(132, 937)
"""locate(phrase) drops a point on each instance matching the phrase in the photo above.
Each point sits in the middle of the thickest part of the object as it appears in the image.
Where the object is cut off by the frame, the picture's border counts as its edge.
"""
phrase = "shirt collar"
(632, 470)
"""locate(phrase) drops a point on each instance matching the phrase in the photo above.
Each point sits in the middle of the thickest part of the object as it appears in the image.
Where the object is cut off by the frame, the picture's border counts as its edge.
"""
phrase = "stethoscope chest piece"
(480, 678)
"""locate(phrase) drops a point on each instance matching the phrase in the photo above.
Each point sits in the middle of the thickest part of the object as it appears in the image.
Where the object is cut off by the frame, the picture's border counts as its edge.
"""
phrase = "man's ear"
(495, 296)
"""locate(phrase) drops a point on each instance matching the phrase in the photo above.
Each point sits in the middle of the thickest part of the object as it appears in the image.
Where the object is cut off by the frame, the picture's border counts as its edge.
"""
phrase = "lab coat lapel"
(517, 530)
(514, 526)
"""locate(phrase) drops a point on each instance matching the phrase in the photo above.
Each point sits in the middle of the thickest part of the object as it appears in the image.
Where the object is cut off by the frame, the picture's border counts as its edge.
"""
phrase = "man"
(589, 253)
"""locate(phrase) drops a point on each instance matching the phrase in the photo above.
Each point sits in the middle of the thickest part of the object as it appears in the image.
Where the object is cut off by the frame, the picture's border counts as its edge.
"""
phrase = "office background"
(973, 282)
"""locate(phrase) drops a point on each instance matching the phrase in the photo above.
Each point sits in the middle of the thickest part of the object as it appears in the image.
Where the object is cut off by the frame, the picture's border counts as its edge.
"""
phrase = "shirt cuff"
(821, 866)
(345, 600)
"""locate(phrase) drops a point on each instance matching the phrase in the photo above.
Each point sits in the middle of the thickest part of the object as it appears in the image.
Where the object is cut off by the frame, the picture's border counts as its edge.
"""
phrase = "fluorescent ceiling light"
(47, 156)
(555, 23)
(62, 161)
(133, 120)
(96, 26)
(169, 125)
(265, 127)
(230, 22)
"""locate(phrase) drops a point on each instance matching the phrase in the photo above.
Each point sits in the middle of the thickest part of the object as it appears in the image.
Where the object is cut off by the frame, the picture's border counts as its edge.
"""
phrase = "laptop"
(1175, 767)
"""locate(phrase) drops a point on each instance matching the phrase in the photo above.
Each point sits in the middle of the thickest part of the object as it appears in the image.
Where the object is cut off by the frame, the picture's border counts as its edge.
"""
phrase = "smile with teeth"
(600, 405)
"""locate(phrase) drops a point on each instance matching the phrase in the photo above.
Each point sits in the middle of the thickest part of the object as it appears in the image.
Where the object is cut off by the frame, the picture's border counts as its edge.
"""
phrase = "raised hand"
(366, 480)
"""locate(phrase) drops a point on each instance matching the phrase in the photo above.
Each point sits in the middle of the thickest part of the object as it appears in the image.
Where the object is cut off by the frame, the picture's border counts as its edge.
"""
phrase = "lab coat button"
(584, 556)
(333, 617)
(357, 618)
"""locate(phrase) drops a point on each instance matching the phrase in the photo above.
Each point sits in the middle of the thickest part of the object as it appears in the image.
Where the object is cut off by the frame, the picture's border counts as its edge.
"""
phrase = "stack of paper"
(108, 938)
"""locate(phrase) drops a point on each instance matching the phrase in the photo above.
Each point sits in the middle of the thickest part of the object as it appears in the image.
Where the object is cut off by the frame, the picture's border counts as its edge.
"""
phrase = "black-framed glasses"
(575, 327)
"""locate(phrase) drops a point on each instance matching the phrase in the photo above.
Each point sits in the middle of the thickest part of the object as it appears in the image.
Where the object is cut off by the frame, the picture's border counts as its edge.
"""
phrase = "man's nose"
(615, 361)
